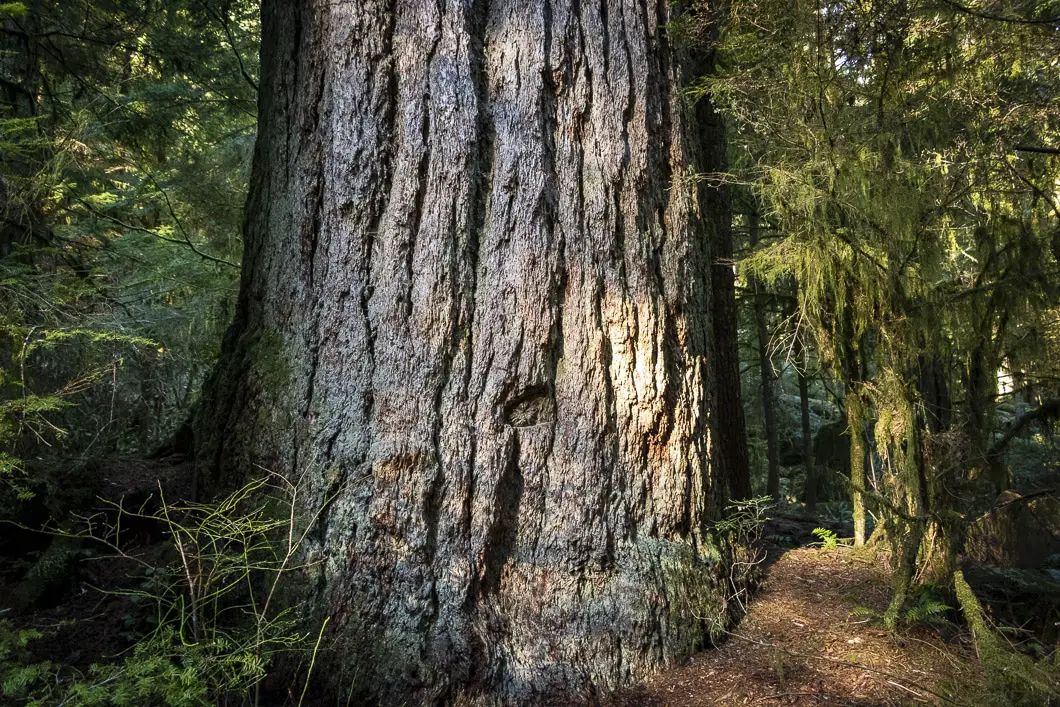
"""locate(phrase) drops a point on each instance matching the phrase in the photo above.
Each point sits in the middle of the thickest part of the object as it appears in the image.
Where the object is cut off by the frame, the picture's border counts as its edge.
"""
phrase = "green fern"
(929, 608)
(828, 538)
(866, 612)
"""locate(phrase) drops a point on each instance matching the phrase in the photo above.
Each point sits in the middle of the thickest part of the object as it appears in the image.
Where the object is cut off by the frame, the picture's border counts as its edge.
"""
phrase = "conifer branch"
(1000, 18)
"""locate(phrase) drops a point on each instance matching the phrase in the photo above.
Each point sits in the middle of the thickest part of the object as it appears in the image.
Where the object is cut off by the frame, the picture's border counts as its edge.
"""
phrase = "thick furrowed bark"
(476, 307)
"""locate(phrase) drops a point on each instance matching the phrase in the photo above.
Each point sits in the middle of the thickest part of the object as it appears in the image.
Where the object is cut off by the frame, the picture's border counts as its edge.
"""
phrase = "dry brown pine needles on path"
(801, 644)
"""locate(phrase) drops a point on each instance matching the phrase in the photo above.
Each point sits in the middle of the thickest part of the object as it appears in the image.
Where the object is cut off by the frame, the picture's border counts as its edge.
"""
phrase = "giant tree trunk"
(475, 308)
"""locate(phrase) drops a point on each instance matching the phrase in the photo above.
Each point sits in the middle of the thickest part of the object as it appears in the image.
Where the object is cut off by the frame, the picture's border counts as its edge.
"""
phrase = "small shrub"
(743, 530)
(218, 620)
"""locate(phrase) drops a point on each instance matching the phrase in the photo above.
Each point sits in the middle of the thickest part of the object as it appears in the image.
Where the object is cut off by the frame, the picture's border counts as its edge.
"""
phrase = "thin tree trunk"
(935, 394)
(768, 389)
(809, 467)
(20, 208)
(853, 374)
(982, 395)
(853, 360)
(857, 465)
(476, 311)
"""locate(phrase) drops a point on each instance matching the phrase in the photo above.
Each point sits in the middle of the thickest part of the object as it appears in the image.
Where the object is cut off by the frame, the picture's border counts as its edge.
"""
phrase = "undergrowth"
(925, 605)
(218, 623)
(829, 540)
(742, 529)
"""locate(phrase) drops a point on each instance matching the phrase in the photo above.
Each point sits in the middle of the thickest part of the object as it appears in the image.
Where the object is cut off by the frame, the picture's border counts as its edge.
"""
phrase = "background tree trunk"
(765, 367)
(808, 462)
(730, 458)
(475, 308)
(858, 450)
(20, 81)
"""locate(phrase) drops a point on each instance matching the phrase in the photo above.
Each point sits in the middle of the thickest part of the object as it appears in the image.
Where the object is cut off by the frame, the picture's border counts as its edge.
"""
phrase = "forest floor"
(804, 641)
(801, 644)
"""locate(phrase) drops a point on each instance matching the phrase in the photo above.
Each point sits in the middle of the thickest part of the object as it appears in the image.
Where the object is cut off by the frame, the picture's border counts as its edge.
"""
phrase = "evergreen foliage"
(906, 174)
(126, 131)
(218, 624)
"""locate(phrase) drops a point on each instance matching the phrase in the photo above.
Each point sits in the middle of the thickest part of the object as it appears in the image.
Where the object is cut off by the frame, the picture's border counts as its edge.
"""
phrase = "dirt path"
(795, 645)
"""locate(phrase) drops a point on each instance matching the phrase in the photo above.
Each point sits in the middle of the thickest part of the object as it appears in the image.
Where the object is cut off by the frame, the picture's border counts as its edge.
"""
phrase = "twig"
(1039, 150)
(903, 687)
(313, 661)
(1045, 410)
(140, 229)
(184, 561)
(112, 678)
(779, 695)
(223, 21)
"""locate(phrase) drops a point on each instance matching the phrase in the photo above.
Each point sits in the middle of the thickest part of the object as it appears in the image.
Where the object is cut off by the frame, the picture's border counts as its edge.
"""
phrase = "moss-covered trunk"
(857, 465)
(476, 311)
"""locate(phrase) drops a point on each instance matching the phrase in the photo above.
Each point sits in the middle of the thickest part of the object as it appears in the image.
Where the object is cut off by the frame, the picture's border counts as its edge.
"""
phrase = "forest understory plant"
(215, 600)
(743, 532)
